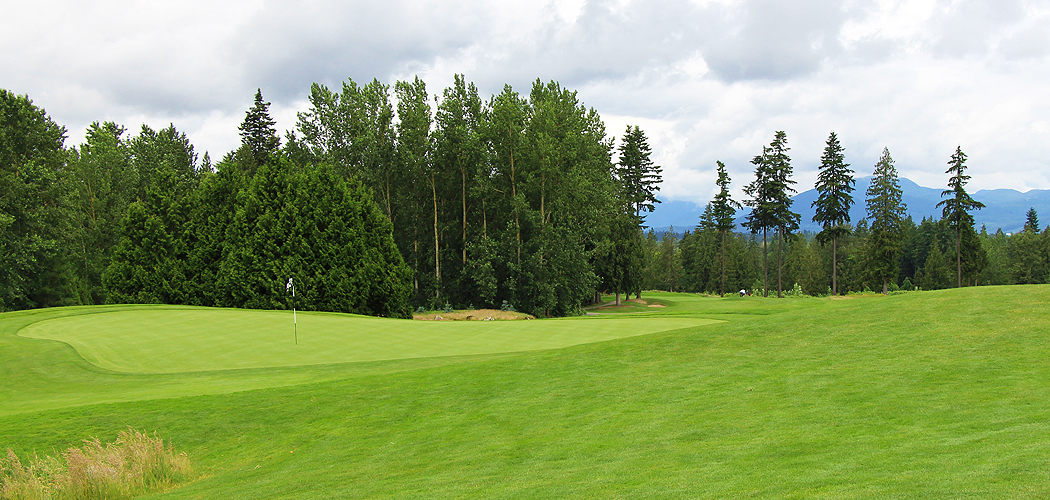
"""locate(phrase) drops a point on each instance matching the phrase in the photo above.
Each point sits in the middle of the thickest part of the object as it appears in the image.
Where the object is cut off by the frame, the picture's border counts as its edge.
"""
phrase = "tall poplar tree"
(886, 212)
(414, 155)
(957, 208)
(835, 184)
(723, 212)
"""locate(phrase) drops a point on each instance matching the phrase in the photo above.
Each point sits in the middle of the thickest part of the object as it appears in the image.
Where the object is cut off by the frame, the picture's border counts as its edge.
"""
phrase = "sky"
(706, 80)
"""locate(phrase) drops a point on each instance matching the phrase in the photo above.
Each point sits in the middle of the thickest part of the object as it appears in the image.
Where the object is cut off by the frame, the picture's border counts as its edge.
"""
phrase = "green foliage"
(956, 213)
(1031, 223)
(258, 133)
(770, 200)
(835, 184)
(886, 211)
(723, 212)
(34, 228)
(639, 177)
(936, 273)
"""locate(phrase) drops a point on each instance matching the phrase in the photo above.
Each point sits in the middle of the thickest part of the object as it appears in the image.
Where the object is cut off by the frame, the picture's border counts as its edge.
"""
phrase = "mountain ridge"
(1005, 209)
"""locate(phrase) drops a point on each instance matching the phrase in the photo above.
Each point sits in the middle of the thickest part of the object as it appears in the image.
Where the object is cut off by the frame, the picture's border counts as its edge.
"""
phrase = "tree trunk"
(723, 290)
(834, 265)
(765, 265)
(885, 286)
(463, 172)
(514, 200)
(617, 297)
(780, 262)
(437, 252)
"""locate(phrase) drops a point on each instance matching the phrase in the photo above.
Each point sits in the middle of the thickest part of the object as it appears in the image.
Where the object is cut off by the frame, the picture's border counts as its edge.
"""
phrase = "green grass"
(922, 395)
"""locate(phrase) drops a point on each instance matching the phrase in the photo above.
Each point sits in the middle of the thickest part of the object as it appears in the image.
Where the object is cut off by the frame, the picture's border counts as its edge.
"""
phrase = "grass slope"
(928, 395)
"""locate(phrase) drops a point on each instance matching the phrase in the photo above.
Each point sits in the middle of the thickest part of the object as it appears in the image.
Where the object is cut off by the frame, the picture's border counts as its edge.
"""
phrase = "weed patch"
(135, 464)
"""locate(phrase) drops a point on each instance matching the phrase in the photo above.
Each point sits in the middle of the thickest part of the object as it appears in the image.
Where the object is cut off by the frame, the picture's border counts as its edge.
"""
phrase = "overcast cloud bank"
(706, 80)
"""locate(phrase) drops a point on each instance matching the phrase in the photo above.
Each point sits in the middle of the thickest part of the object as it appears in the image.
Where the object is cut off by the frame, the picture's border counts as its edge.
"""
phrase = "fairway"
(922, 395)
(173, 339)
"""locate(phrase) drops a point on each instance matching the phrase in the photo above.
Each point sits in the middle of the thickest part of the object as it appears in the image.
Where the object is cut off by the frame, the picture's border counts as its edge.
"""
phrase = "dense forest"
(387, 199)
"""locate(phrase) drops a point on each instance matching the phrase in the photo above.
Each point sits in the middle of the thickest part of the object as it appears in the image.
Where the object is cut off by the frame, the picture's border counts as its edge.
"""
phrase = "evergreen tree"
(639, 178)
(956, 209)
(936, 273)
(259, 133)
(723, 211)
(886, 211)
(835, 184)
(771, 200)
(1031, 223)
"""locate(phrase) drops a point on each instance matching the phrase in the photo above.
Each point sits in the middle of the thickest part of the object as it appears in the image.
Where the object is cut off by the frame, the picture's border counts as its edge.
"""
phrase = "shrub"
(135, 464)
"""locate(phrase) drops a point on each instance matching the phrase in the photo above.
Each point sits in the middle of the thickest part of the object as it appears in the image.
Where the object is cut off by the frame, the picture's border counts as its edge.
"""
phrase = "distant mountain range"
(1004, 208)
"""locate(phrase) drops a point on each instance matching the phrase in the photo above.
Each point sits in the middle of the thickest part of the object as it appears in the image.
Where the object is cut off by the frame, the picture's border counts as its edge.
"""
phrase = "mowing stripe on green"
(171, 339)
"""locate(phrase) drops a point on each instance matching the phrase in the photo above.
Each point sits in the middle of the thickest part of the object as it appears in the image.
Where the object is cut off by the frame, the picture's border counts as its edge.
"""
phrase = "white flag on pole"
(290, 286)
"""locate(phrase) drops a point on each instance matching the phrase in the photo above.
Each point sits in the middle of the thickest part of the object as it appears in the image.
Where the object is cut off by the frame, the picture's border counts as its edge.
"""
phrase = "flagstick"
(295, 324)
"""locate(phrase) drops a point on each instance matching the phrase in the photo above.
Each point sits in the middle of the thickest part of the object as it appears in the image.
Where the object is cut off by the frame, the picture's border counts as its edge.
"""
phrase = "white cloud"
(706, 80)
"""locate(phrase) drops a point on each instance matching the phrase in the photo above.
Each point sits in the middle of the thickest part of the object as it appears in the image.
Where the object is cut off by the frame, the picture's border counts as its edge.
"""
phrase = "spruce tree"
(771, 200)
(1031, 223)
(639, 177)
(259, 133)
(886, 212)
(723, 213)
(956, 209)
(834, 183)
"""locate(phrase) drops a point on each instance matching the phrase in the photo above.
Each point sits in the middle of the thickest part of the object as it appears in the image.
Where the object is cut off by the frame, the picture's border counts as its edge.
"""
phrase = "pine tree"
(1031, 223)
(935, 273)
(834, 183)
(771, 200)
(956, 209)
(723, 213)
(639, 178)
(886, 211)
(259, 132)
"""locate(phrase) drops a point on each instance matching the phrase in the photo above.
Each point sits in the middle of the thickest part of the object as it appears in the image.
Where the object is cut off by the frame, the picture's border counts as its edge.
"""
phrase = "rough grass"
(922, 395)
(135, 464)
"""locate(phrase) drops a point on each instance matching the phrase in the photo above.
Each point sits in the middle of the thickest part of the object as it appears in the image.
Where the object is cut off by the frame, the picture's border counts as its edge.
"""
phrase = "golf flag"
(295, 324)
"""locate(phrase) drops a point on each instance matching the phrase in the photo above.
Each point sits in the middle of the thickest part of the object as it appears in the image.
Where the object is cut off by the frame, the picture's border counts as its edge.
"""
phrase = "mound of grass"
(924, 395)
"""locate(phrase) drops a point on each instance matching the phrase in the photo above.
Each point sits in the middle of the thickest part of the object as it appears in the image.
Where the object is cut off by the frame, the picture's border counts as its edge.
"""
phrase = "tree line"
(886, 251)
(380, 201)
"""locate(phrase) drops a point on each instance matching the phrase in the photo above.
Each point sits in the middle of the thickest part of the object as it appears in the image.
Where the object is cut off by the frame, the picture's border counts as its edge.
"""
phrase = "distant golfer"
(743, 293)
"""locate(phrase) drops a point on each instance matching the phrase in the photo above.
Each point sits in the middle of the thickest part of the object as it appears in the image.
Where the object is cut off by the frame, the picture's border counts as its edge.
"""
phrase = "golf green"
(171, 339)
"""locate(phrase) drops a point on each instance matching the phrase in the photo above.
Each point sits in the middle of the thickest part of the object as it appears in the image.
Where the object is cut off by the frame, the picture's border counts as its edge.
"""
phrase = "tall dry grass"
(136, 463)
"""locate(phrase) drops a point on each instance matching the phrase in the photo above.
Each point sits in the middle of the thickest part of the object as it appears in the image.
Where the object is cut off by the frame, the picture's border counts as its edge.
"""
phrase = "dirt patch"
(636, 301)
(471, 315)
(657, 305)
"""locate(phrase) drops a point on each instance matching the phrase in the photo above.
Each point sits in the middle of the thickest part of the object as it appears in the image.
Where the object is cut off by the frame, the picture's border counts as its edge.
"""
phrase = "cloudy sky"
(705, 79)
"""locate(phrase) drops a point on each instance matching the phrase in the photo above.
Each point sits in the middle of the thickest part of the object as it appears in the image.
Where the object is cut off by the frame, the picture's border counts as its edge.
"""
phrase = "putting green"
(173, 339)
